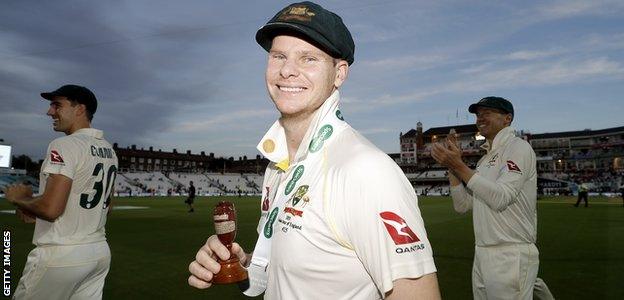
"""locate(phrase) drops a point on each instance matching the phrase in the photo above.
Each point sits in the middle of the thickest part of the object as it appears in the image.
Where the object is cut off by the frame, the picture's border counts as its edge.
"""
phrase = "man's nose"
(289, 68)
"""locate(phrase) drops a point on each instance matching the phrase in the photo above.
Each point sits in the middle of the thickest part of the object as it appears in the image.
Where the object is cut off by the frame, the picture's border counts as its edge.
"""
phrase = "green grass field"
(581, 249)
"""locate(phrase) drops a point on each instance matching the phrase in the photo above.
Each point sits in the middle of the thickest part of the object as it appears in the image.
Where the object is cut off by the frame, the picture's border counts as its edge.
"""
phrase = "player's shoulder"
(352, 153)
(64, 141)
(518, 144)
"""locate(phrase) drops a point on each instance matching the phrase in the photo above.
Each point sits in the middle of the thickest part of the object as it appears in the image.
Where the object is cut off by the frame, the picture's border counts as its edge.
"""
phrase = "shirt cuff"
(474, 181)
(457, 188)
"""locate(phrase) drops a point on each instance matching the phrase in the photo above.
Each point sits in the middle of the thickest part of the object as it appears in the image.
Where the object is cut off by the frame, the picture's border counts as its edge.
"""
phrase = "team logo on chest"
(298, 199)
(492, 161)
(293, 209)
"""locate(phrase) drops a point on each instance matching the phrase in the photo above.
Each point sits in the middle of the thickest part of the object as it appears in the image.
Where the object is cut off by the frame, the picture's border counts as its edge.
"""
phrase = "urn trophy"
(225, 226)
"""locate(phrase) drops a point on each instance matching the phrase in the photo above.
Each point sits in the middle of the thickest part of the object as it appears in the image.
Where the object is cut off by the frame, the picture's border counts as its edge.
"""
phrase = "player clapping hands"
(449, 154)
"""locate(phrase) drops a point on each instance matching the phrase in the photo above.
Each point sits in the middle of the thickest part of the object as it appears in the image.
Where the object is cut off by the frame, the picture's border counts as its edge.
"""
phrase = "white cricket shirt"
(502, 193)
(90, 161)
(343, 220)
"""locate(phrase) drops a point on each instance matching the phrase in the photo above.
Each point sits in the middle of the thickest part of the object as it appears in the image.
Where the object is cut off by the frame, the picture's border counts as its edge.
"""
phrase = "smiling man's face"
(300, 76)
(490, 121)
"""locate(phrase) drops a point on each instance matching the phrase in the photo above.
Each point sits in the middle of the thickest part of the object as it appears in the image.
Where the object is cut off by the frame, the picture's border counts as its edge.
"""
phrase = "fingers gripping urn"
(225, 226)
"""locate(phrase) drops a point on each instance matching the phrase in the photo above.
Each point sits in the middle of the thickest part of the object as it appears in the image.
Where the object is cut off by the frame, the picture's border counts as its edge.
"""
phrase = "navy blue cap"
(493, 102)
(76, 93)
(315, 24)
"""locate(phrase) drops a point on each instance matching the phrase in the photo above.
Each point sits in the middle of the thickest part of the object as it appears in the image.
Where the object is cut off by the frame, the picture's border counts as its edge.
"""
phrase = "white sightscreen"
(5, 156)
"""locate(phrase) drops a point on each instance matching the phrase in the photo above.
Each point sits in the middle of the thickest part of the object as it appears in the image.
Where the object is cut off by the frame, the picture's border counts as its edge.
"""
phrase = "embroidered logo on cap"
(513, 167)
(56, 158)
(398, 229)
(300, 13)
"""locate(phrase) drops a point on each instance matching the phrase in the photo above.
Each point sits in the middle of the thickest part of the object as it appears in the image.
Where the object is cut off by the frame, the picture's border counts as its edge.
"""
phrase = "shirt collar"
(500, 139)
(96, 133)
(273, 145)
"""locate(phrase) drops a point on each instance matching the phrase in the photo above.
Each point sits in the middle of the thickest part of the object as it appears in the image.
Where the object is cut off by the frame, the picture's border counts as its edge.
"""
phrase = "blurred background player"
(363, 228)
(72, 257)
(582, 195)
(191, 197)
(502, 192)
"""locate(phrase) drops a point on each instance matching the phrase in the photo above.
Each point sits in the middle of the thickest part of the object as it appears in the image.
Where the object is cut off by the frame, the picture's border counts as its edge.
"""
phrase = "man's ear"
(342, 71)
(81, 110)
(508, 119)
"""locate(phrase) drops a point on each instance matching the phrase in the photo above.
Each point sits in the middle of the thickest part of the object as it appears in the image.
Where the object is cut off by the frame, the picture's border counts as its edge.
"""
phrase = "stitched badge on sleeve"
(513, 167)
(398, 229)
(56, 158)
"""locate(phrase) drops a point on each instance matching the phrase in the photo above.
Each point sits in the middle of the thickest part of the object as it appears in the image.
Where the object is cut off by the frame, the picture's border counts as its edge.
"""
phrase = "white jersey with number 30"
(90, 161)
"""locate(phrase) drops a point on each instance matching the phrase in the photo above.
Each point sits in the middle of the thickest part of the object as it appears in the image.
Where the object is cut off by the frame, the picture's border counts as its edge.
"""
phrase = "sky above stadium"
(189, 74)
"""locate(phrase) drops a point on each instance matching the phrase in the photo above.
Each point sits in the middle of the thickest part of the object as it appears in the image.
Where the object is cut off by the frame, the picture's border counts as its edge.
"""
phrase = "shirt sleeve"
(462, 198)
(382, 223)
(514, 170)
(61, 159)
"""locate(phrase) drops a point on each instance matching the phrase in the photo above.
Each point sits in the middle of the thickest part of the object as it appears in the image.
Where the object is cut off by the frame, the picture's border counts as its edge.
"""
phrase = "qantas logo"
(55, 157)
(513, 167)
(398, 229)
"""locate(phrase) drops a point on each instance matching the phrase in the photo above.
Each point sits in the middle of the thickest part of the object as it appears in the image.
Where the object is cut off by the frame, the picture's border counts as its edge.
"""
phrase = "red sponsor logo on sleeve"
(513, 167)
(55, 157)
(398, 229)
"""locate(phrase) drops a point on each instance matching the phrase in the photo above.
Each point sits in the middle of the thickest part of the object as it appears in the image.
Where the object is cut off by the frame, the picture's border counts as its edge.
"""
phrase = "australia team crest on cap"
(299, 13)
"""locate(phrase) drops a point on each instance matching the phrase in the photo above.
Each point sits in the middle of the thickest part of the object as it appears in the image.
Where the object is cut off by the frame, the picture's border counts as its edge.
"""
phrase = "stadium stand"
(127, 187)
(203, 184)
(564, 159)
(232, 183)
(151, 182)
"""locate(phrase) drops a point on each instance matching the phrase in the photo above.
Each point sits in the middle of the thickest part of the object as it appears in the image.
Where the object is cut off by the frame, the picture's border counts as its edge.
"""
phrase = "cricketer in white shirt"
(342, 218)
(72, 256)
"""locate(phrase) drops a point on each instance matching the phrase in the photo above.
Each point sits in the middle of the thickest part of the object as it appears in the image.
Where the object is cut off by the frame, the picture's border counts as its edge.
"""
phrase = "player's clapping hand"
(447, 153)
(451, 138)
(17, 192)
(206, 265)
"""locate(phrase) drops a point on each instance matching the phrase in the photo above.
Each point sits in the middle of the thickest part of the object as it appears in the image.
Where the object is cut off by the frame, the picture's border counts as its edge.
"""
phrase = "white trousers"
(65, 272)
(505, 272)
